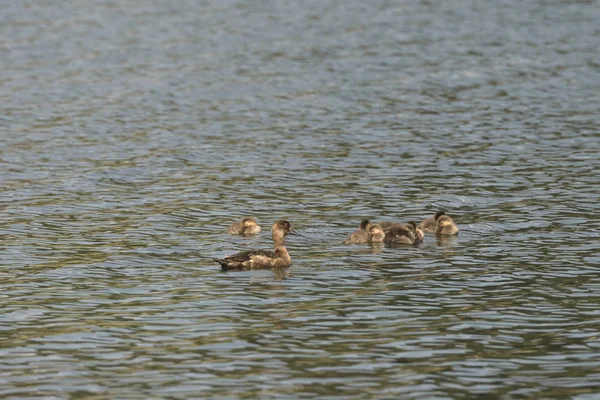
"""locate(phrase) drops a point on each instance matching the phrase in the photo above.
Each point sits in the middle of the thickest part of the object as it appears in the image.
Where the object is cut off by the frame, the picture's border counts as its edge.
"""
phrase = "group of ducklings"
(396, 232)
(389, 232)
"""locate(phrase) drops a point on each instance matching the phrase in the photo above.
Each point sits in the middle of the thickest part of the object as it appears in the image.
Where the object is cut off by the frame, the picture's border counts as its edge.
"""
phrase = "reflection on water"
(131, 138)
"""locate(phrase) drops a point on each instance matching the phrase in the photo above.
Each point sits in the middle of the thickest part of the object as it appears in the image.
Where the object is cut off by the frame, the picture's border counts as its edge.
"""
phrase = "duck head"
(249, 222)
(281, 229)
(444, 220)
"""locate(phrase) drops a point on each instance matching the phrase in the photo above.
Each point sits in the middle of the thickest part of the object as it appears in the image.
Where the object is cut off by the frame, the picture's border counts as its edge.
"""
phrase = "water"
(133, 133)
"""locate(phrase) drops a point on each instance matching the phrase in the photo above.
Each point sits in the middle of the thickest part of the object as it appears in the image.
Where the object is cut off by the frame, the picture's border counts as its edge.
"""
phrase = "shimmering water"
(133, 133)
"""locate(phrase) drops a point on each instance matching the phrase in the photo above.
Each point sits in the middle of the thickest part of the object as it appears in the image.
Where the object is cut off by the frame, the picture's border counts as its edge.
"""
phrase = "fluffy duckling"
(399, 234)
(416, 232)
(255, 259)
(361, 235)
(404, 234)
(248, 226)
(430, 224)
(445, 226)
(376, 233)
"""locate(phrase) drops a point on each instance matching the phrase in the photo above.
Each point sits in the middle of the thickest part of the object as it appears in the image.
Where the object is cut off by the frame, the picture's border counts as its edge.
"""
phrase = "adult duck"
(256, 259)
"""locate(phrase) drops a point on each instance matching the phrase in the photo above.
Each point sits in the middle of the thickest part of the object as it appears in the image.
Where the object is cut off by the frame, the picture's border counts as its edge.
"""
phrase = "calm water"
(133, 133)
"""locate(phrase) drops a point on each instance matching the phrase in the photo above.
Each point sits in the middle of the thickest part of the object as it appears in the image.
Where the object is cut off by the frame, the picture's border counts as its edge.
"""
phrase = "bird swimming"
(256, 259)
(403, 234)
(430, 224)
(376, 233)
(360, 235)
(445, 226)
(416, 231)
(248, 226)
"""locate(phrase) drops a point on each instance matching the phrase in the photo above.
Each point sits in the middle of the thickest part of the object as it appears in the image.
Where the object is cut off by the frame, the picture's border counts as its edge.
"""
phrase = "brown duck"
(445, 226)
(403, 234)
(430, 224)
(376, 233)
(248, 226)
(255, 259)
(361, 235)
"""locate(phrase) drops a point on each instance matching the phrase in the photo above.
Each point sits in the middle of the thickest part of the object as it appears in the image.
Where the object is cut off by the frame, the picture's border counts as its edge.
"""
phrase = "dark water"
(133, 133)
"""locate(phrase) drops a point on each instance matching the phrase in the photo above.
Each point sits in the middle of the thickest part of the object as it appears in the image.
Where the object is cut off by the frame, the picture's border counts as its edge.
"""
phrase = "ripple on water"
(132, 137)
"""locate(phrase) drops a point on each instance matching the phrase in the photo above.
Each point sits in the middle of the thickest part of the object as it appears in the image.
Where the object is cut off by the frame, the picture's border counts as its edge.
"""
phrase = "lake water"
(133, 133)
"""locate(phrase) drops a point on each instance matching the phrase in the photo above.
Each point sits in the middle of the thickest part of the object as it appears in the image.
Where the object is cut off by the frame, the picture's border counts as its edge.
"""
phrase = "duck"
(404, 234)
(257, 259)
(361, 235)
(445, 226)
(376, 233)
(399, 234)
(416, 231)
(430, 224)
(248, 226)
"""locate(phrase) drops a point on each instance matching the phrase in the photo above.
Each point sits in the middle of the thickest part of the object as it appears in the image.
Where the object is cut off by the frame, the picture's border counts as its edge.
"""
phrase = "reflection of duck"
(430, 224)
(248, 226)
(361, 235)
(254, 259)
(445, 226)
(447, 241)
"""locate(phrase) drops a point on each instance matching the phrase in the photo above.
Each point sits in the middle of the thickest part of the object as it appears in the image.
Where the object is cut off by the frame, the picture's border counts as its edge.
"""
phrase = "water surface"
(133, 133)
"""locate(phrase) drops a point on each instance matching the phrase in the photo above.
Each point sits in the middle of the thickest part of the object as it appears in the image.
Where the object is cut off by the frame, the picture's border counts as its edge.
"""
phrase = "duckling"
(376, 233)
(416, 232)
(445, 226)
(361, 235)
(386, 225)
(255, 259)
(430, 224)
(248, 226)
(400, 234)
(410, 226)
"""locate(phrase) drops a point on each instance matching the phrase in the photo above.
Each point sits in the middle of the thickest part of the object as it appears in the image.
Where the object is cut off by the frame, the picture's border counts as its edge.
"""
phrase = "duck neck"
(283, 254)
(279, 244)
(278, 239)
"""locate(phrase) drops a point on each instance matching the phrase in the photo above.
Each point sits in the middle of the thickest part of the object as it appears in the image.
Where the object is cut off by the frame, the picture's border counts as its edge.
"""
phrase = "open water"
(132, 133)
